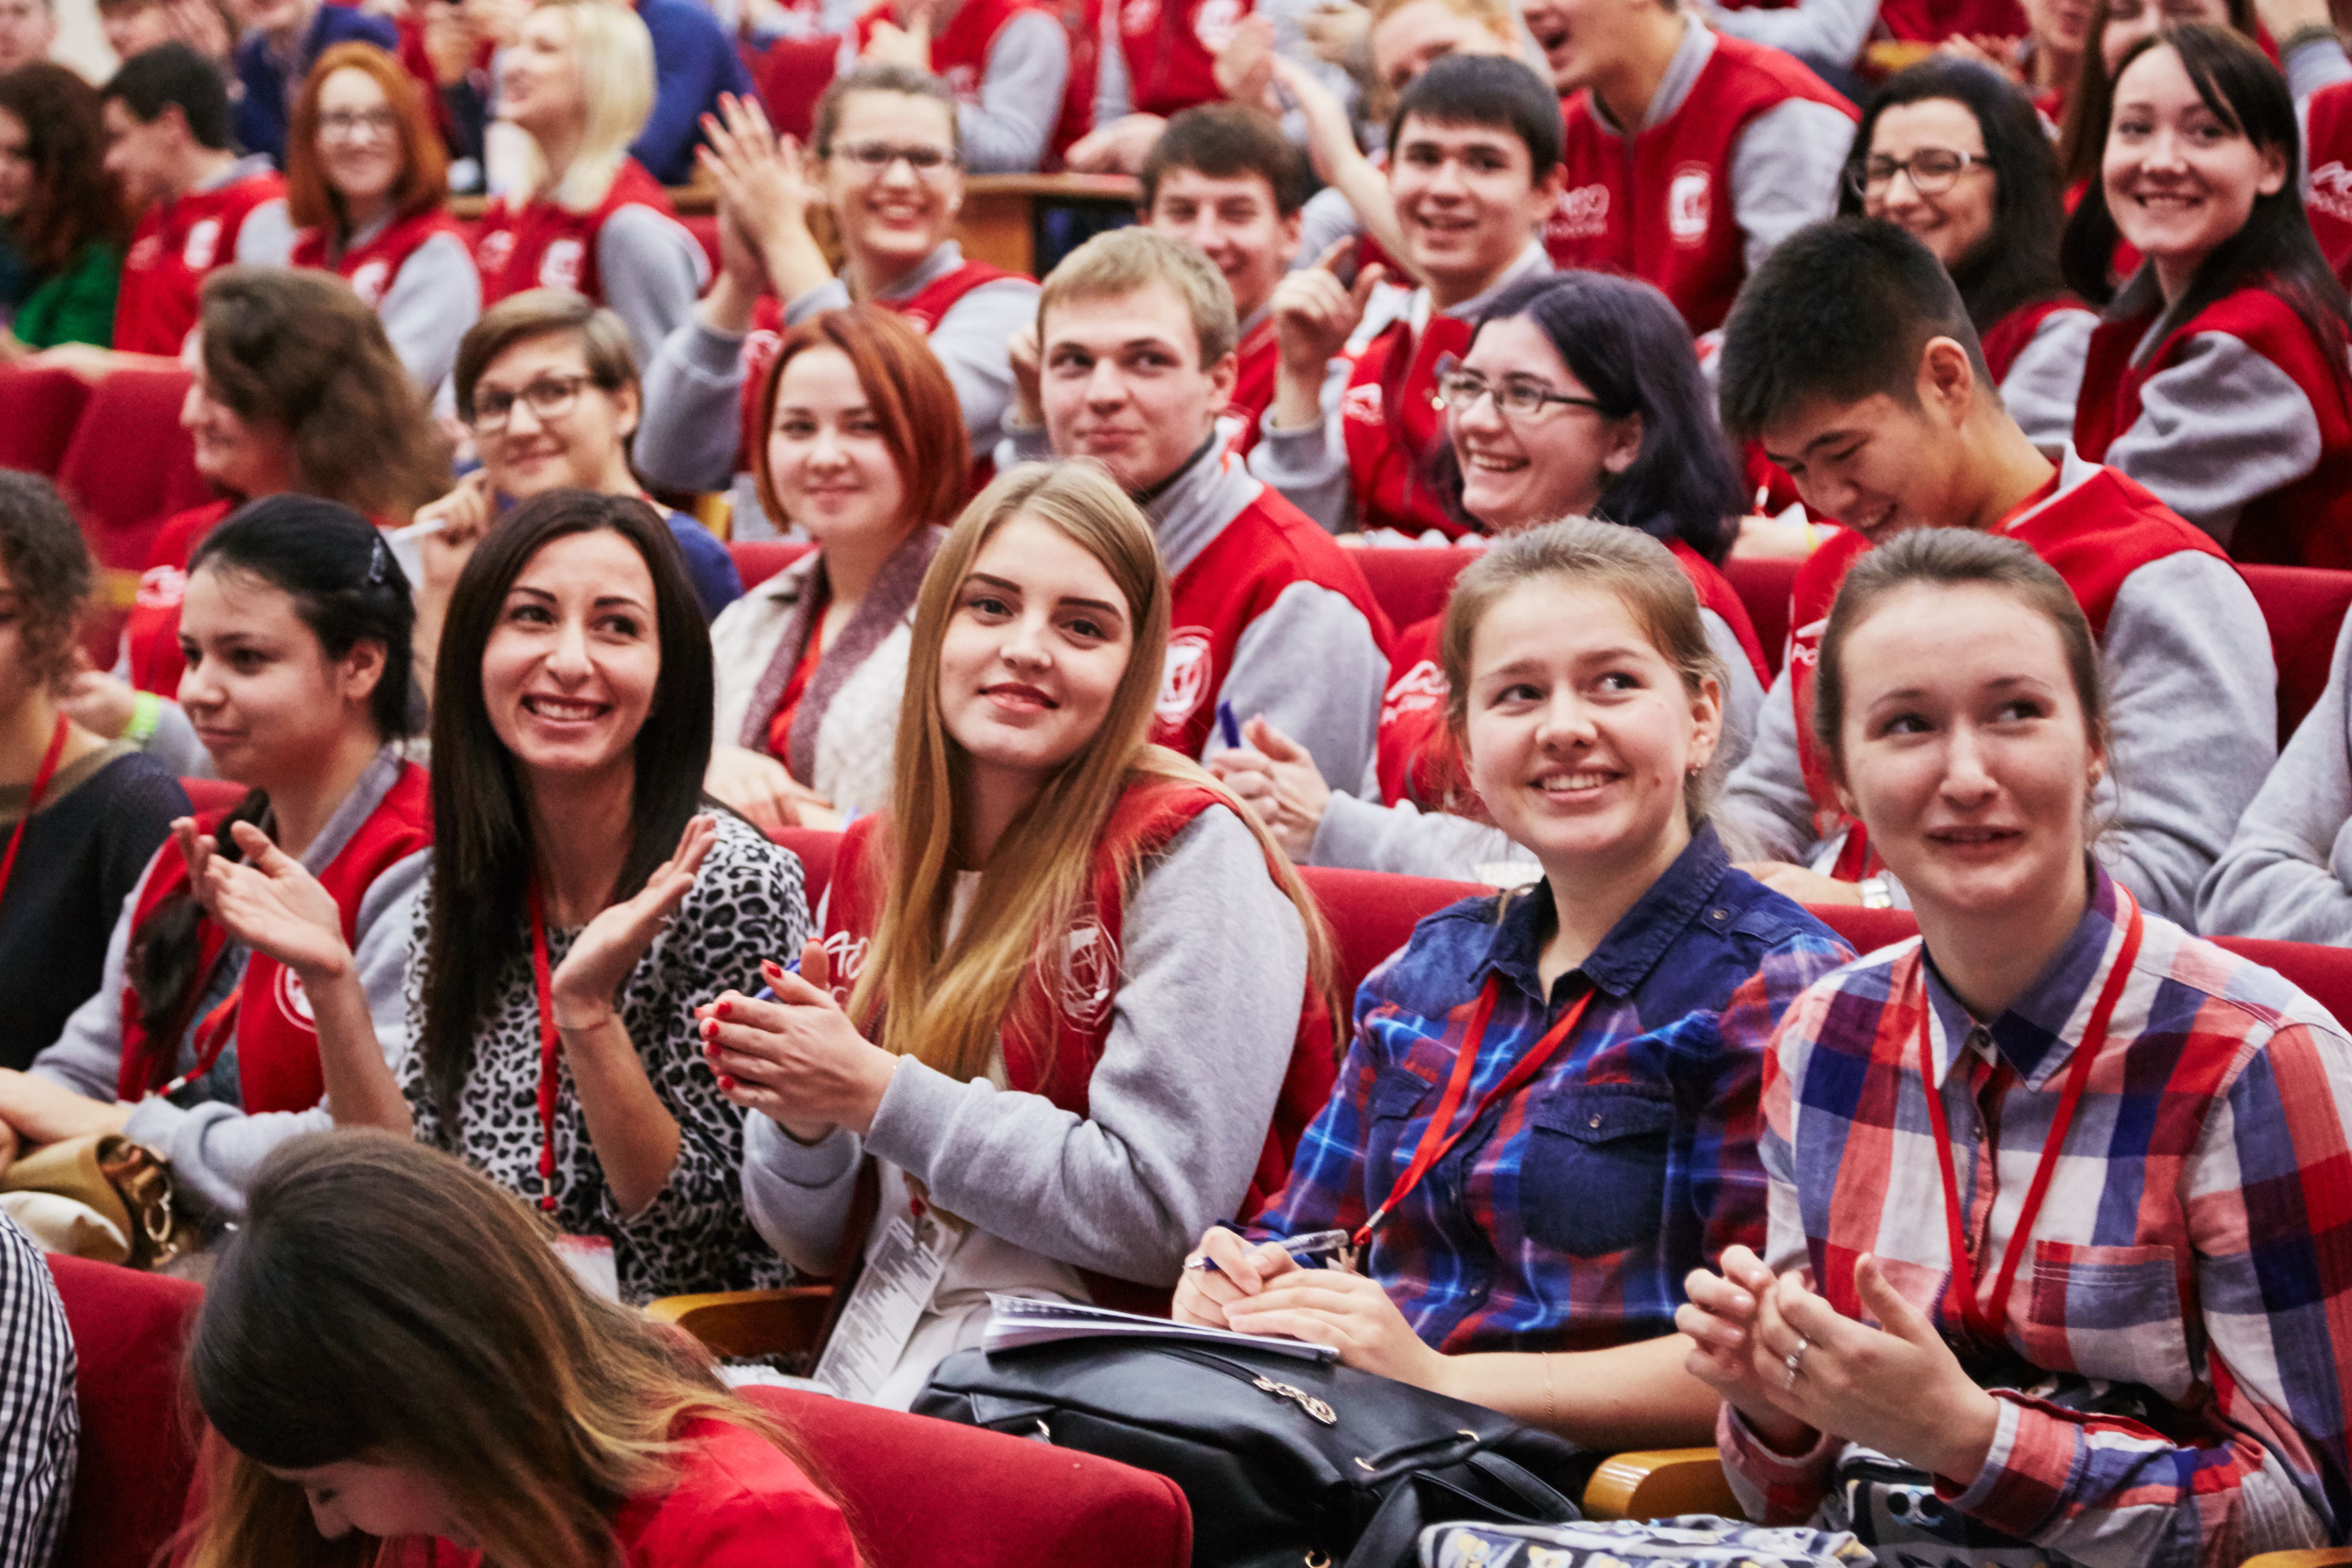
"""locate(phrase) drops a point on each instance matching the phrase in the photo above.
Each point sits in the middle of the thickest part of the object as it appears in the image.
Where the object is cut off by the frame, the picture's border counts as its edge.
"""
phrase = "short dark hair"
(1840, 309)
(1488, 89)
(1225, 140)
(175, 73)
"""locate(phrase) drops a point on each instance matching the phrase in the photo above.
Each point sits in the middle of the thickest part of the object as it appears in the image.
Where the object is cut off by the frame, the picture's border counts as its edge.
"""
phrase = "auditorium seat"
(212, 795)
(137, 1455)
(791, 74)
(815, 846)
(1411, 583)
(1763, 587)
(129, 465)
(1372, 913)
(2304, 608)
(39, 407)
(757, 560)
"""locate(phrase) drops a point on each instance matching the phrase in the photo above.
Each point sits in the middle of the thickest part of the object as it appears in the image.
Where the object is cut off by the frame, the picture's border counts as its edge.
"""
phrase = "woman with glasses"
(545, 382)
(1956, 156)
(888, 165)
(63, 215)
(579, 82)
(367, 182)
(1580, 396)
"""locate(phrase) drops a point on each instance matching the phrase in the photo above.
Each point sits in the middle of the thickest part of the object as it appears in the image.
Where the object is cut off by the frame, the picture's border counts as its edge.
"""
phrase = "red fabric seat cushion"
(1764, 586)
(2304, 608)
(129, 465)
(1411, 585)
(137, 1454)
(39, 407)
(757, 560)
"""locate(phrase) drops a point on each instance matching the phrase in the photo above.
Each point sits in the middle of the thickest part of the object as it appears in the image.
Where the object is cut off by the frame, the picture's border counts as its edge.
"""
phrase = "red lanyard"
(33, 801)
(1983, 1322)
(1435, 1138)
(212, 1038)
(548, 1048)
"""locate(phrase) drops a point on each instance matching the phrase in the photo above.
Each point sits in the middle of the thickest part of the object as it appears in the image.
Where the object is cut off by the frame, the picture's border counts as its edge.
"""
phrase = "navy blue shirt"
(716, 582)
(263, 112)
(694, 62)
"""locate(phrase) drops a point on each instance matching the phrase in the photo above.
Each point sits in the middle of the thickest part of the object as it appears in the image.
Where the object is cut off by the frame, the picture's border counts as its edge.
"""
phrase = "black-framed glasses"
(876, 157)
(548, 397)
(1515, 397)
(345, 123)
(1932, 171)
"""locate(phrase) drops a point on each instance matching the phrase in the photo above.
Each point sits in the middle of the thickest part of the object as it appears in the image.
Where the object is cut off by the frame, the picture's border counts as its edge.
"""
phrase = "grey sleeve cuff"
(1308, 467)
(971, 345)
(691, 428)
(1764, 809)
(2218, 427)
(798, 1194)
(1021, 94)
(266, 238)
(1310, 663)
(2316, 63)
(174, 744)
(832, 294)
(1404, 839)
(433, 299)
(2045, 380)
(1785, 169)
(651, 270)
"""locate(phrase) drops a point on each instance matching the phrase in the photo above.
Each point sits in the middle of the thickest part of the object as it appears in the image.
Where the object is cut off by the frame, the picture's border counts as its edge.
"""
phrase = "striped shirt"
(39, 1423)
(2195, 1245)
(1569, 1215)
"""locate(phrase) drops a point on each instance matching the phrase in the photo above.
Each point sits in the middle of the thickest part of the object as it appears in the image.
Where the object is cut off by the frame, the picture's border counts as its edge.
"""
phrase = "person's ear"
(1947, 378)
(1223, 375)
(1287, 249)
(627, 401)
(1624, 445)
(2273, 179)
(1546, 193)
(1706, 724)
(361, 671)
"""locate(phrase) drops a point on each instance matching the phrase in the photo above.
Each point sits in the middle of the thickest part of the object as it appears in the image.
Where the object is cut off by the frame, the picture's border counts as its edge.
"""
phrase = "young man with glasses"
(889, 166)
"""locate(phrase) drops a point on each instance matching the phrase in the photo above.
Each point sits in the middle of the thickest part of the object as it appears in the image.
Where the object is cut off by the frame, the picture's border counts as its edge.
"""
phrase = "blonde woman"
(579, 82)
(1075, 973)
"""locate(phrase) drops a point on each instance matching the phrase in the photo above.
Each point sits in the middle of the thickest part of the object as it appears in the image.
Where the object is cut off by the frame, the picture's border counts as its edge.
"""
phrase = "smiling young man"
(1137, 365)
(1474, 168)
(1851, 358)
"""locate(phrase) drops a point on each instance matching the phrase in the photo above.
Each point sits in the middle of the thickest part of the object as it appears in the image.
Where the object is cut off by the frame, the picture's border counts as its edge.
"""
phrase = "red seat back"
(757, 560)
(2304, 608)
(39, 407)
(816, 848)
(704, 227)
(129, 465)
(1763, 587)
(922, 1494)
(138, 1453)
(1412, 585)
(1372, 913)
(212, 795)
(793, 75)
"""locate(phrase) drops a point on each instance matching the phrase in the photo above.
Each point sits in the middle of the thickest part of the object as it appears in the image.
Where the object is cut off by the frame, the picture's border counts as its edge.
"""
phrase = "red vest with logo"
(959, 53)
(1659, 204)
(1257, 358)
(177, 244)
(1172, 50)
(2328, 153)
(542, 244)
(2305, 523)
(2007, 338)
(150, 633)
(2094, 536)
(276, 1040)
(1392, 421)
(1078, 997)
(1417, 759)
(1268, 546)
(369, 268)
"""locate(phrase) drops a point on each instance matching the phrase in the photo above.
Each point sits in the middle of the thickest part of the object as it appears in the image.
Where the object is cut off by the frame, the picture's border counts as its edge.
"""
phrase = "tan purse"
(127, 1186)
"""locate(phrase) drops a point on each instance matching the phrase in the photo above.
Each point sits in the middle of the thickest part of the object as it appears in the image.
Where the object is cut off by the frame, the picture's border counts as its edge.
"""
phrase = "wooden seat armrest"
(1660, 1483)
(2313, 1557)
(749, 1323)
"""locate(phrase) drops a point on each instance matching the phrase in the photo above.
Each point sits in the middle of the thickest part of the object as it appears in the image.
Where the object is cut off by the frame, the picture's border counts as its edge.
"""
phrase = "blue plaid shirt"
(1569, 1215)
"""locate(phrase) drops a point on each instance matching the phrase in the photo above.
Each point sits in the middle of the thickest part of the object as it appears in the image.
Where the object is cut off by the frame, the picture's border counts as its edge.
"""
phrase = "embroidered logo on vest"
(1137, 15)
(559, 265)
(295, 1002)
(368, 281)
(496, 251)
(1216, 23)
(144, 255)
(845, 955)
(1582, 214)
(202, 244)
(1361, 402)
(2331, 189)
(1186, 679)
(1422, 687)
(1686, 204)
(161, 588)
(1089, 977)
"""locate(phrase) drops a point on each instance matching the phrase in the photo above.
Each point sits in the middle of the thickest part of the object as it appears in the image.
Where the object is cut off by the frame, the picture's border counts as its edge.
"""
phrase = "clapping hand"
(268, 900)
(611, 944)
(1276, 778)
(798, 1058)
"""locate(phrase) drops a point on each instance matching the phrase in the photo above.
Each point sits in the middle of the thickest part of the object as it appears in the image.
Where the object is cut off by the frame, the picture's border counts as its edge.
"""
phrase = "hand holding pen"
(1226, 1269)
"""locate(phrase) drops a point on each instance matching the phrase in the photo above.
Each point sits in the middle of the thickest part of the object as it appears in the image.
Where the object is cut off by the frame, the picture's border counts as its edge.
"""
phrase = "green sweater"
(75, 306)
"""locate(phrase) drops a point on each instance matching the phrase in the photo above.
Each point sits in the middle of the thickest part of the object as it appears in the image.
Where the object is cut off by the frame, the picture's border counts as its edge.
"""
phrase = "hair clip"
(378, 562)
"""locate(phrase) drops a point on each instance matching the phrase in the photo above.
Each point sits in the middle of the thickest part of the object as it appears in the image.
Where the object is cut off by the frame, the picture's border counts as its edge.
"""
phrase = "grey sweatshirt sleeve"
(1323, 222)
(690, 434)
(1819, 32)
(1020, 96)
(1785, 169)
(174, 744)
(2313, 64)
(1764, 802)
(2287, 874)
(1178, 1108)
(2045, 380)
(435, 296)
(1312, 665)
(651, 270)
(969, 344)
(1114, 96)
(266, 238)
(1743, 694)
(1308, 467)
(1365, 835)
(2185, 638)
(2218, 427)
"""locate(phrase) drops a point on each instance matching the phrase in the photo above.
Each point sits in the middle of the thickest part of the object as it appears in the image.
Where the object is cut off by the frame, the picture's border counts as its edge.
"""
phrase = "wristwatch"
(1877, 892)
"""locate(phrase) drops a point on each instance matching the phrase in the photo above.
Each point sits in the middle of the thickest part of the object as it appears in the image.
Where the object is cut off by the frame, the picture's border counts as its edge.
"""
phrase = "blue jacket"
(263, 111)
(694, 62)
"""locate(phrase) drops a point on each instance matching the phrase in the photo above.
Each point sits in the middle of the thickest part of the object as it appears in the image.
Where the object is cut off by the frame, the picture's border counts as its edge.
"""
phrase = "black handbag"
(1288, 1463)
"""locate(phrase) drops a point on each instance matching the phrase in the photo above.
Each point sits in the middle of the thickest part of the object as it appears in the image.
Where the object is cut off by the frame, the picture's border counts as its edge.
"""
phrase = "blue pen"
(768, 993)
(1229, 726)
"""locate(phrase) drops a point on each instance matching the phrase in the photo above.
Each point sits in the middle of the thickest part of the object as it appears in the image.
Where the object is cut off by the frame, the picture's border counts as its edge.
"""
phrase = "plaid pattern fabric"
(1568, 1216)
(2196, 1241)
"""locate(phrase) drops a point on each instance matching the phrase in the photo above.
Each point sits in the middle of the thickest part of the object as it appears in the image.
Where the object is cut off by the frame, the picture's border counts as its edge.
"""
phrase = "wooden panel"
(1660, 1484)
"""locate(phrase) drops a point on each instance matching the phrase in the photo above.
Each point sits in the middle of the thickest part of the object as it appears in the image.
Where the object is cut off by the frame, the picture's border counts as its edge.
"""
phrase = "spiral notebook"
(1017, 1320)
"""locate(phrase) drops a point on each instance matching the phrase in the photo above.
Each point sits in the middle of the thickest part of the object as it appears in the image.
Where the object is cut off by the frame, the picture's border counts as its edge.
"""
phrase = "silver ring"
(1794, 1362)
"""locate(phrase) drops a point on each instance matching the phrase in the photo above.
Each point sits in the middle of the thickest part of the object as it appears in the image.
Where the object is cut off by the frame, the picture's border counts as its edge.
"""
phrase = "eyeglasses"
(1517, 398)
(549, 397)
(345, 124)
(1931, 170)
(876, 157)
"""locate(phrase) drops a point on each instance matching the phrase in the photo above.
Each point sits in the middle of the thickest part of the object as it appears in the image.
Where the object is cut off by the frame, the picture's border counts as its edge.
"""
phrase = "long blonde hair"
(946, 1002)
(614, 57)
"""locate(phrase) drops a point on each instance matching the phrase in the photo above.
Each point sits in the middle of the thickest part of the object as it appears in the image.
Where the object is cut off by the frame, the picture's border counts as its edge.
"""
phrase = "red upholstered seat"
(137, 1454)
(2304, 608)
(757, 560)
(1763, 587)
(793, 73)
(923, 1493)
(816, 848)
(704, 227)
(129, 465)
(39, 407)
(212, 795)
(1372, 913)
(1411, 585)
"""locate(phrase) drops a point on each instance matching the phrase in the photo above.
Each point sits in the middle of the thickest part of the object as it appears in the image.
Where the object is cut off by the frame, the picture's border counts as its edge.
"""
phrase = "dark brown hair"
(908, 392)
(538, 313)
(49, 571)
(2083, 139)
(73, 202)
(424, 182)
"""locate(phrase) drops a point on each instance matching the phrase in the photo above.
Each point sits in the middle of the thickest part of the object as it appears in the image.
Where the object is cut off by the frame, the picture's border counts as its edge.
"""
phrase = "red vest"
(178, 242)
(1418, 760)
(2007, 338)
(2094, 536)
(1392, 421)
(276, 1041)
(1082, 21)
(1079, 1005)
(1257, 358)
(2326, 148)
(542, 244)
(150, 633)
(1270, 545)
(1660, 205)
(371, 267)
(1171, 50)
(2305, 523)
(959, 54)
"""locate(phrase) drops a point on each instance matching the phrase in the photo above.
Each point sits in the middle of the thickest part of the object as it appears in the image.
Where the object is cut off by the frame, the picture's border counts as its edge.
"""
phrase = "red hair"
(424, 182)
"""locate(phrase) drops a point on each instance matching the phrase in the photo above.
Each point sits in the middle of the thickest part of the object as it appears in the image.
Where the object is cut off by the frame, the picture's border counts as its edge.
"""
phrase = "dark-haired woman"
(1580, 395)
(2218, 376)
(579, 905)
(390, 1348)
(1956, 155)
(80, 817)
(295, 389)
(297, 632)
(63, 217)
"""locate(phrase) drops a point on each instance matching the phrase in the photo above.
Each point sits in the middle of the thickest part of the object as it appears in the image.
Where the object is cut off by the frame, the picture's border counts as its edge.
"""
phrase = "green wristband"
(146, 712)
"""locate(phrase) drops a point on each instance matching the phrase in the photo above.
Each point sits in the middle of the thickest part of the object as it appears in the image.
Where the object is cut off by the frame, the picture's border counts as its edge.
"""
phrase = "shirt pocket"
(1593, 1179)
(1397, 1094)
(2110, 1313)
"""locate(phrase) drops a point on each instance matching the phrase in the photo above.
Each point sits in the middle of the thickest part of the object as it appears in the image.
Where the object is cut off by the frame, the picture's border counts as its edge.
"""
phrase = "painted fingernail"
(720, 1009)
(726, 1083)
(709, 1030)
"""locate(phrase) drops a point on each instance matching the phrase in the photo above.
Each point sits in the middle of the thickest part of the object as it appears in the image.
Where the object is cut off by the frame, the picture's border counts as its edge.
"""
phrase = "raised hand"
(1245, 67)
(1118, 148)
(1276, 778)
(1028, 376)
(585, 983)
(1243, 1270)
(465, 514)
(1315, 313)
(98, 702)
(891, 45)
(797, 1059)
(267, 901)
